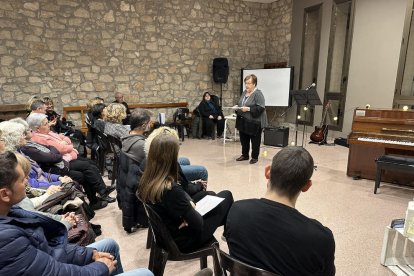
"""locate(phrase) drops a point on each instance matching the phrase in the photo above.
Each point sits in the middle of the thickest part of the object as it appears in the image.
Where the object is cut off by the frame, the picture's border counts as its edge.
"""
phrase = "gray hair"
(35, 120)
(12, 133)
(20, 121)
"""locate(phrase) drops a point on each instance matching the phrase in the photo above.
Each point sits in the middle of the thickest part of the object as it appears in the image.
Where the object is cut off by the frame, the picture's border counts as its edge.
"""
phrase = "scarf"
(42, 148)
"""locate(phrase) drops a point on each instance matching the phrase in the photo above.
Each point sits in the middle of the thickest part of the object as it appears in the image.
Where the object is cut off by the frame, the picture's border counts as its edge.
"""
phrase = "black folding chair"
(116, 146)
(234, 266)
(181, 121)
(164, 248)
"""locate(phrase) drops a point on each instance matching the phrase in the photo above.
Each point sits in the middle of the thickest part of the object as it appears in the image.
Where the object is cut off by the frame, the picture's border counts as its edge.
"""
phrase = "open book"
(207, 204)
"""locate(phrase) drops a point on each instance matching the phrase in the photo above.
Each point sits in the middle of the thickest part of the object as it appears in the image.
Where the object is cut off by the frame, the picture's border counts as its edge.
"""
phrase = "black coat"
(206, 110)
(130, 173)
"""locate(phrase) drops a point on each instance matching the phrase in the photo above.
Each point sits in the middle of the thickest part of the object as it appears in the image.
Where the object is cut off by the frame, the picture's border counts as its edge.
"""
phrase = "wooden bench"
(9, 111)
(82, 110)
(392, 162)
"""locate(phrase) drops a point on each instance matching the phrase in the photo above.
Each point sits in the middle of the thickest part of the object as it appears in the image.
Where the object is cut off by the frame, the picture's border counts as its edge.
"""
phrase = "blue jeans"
(110, 246)
(192, 172)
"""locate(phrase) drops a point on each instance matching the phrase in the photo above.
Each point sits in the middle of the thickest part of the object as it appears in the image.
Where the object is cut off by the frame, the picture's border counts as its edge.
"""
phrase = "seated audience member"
(192, 178)
(211, 114)
(29, 104)
(89, 119)
(159, 187)
(38, 106)
(131, 169)
(119, 98)
(13, 135)
(32, 244)
(99, 114)
(41, 134)
(114, 115)
(270, 233)
(68, 219)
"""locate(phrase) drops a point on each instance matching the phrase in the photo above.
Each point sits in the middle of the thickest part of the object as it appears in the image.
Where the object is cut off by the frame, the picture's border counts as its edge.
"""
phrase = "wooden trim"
(82, 109)
(158, 105)
(12, 107)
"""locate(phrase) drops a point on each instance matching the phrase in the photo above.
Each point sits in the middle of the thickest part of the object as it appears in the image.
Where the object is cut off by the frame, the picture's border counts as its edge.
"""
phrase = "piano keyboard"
(378, 140)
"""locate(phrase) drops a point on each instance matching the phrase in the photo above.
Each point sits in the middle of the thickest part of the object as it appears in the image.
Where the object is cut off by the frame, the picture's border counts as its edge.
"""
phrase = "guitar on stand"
(320, 134)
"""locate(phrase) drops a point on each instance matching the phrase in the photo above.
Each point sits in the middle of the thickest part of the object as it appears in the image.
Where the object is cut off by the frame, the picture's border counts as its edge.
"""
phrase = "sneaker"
(99, 205)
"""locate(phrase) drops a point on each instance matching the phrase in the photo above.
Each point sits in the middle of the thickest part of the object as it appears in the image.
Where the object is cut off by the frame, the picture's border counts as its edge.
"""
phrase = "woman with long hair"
(159, 186)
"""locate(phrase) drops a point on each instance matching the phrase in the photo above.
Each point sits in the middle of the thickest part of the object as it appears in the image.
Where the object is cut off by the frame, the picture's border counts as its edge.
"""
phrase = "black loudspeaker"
(220, 70)
(276, 136)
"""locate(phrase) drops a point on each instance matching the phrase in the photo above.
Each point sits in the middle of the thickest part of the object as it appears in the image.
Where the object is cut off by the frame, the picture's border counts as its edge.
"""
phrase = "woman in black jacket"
(211, 114)
(159, 187)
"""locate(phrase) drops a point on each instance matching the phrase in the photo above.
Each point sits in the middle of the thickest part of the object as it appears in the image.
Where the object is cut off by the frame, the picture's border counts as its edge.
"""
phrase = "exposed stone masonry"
(152, 50)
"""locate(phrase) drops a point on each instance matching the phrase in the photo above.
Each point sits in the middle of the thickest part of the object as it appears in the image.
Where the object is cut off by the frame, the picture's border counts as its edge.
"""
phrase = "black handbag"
(248, 126)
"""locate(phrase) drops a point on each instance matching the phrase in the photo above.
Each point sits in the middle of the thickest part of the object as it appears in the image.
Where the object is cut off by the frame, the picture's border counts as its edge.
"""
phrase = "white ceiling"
(261, 1)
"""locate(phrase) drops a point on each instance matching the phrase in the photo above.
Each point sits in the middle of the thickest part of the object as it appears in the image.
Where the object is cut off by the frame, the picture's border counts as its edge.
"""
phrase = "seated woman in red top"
(159, 186)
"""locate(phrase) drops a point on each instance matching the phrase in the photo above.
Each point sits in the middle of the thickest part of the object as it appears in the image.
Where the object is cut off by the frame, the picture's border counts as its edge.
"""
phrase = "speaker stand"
(221, 95)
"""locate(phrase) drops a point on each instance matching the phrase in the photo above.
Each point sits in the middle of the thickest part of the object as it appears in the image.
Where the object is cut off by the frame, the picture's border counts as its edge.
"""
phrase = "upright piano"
(376, 132)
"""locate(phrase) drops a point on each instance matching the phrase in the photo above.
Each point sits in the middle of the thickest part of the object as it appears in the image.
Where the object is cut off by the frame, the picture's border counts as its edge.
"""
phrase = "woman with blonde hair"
(160, 187)
(114, 114)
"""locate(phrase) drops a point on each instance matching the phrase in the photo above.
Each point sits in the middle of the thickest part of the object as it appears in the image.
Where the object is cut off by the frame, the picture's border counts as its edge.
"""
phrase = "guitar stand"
(323, 142)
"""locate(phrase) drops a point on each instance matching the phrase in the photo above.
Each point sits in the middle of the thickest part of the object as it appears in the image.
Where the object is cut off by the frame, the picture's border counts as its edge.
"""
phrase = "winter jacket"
(133, 212)
(32, 244)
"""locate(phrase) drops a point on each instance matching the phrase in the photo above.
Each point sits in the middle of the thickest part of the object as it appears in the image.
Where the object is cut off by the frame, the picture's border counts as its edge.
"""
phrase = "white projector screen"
(275, 84)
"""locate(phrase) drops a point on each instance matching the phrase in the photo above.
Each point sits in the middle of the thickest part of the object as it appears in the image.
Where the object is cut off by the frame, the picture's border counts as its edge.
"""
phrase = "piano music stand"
(308, 97)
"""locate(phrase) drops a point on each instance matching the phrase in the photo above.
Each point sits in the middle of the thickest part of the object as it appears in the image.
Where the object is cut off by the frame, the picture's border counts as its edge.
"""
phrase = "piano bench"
(392, 162)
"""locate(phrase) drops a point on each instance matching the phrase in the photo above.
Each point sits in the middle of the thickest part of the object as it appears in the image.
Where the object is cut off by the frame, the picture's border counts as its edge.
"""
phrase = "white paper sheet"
(207, 204)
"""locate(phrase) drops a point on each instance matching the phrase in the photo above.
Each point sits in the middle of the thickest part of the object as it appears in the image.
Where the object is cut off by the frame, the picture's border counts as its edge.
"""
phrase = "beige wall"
(375, 52)
(374, 58)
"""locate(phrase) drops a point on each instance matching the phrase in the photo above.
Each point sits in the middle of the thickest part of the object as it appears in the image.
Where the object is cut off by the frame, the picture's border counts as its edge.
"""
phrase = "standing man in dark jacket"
(32, 244)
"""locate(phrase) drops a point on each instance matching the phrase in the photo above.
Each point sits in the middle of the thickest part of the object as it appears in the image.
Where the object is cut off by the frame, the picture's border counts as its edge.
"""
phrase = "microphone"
(310, 86)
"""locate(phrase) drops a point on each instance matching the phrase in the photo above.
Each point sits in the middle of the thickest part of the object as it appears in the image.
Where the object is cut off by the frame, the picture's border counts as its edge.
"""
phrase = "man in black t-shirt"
(271, 234)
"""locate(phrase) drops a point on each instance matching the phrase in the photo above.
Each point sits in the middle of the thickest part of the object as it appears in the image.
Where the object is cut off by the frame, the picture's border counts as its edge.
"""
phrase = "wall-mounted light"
(335, 118)
(405, 107)
(305, 108)
(299, 117)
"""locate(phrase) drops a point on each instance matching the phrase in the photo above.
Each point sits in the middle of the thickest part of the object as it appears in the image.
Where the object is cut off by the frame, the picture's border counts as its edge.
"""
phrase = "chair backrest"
(115, 143)
(103, 141)
(160, 232)
(215, 99)
(181, 114)
(236, 267)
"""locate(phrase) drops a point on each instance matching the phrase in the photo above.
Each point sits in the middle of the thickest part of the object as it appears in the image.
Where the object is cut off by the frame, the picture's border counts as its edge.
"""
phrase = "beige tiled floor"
(348, 207)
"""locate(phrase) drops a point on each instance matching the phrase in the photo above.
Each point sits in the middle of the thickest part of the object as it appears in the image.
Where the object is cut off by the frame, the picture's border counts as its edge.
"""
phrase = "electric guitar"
(321, 131)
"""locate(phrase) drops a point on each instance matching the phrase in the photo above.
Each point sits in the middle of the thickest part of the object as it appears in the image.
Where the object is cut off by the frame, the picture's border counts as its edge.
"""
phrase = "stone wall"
(152, 50)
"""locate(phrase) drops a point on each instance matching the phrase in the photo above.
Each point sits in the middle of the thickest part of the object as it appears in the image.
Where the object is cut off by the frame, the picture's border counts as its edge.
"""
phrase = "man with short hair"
(119, 98)
(270, 233)
(38, 106)
(32, 244)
